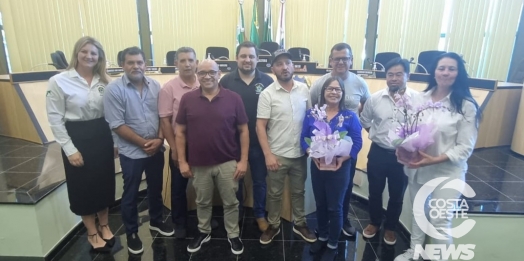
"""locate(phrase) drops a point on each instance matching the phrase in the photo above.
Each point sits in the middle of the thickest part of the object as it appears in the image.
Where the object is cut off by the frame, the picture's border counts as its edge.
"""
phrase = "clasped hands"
(151, 146)
(339, 161)
(426, 160)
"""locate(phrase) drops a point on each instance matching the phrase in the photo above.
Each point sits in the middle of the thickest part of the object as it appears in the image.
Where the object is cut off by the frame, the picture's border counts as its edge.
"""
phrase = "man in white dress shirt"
(379, 117)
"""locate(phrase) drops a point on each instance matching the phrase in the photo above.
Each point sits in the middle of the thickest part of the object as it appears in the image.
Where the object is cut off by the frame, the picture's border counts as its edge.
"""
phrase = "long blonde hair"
(100, 67)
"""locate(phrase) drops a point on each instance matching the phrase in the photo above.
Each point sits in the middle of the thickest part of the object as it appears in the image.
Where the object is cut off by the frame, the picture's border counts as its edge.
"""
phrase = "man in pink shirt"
(168, 104)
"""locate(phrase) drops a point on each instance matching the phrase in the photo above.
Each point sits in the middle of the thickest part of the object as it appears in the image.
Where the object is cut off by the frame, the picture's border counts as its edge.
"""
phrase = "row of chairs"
(424, 60)
(266, 48)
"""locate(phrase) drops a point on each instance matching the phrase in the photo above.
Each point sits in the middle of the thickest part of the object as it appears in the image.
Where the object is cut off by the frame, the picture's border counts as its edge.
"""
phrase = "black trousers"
(382, 165)
(178, 196)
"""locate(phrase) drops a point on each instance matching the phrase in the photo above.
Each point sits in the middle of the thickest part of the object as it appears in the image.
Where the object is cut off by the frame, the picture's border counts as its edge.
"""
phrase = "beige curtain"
(318, 25)
(197, 24)
(113, 23)
(484, 33)
(32, 34)
(409, 27)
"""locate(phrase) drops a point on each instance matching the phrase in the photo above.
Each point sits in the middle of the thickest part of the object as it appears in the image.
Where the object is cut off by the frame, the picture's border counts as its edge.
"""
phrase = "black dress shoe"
(102, 249)
(110, 242)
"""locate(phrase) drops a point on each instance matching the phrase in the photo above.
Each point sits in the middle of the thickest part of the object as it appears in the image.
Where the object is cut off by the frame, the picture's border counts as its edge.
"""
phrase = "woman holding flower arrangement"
(331, 135)
(450, 111)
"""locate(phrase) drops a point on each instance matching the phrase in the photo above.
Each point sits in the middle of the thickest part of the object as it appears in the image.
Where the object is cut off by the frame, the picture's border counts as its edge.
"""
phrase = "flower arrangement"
(413, 134)
(325, 145)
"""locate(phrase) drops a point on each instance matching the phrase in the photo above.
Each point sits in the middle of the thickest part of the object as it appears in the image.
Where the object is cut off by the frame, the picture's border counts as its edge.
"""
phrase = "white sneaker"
(407, 256)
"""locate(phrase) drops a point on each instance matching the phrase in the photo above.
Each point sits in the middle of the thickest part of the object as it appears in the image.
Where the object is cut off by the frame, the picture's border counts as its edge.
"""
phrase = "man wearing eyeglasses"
(357, 92)
(209, 121)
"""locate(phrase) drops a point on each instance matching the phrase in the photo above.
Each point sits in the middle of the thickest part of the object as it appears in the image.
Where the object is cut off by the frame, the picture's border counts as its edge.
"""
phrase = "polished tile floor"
(286, 245)
(29, 171)
(497, 177)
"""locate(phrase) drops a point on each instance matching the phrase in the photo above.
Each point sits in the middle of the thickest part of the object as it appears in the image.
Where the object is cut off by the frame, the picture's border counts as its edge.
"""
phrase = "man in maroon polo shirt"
(208, 121)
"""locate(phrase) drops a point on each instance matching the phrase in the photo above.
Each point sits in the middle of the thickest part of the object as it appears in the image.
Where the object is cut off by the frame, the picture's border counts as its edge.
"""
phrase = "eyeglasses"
(341, 59)
(333, 89)
(204, 73)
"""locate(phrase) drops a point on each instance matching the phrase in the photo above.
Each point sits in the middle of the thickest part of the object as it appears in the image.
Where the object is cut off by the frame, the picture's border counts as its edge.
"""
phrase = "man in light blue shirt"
(131, 109)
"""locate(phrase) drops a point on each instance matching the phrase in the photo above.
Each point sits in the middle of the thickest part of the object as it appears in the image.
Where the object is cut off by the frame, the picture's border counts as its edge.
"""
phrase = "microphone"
(418, 64)
(374, 65)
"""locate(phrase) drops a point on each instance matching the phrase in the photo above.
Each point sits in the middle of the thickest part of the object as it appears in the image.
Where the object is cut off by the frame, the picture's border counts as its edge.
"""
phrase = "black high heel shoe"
(103, 249)
(110, 242)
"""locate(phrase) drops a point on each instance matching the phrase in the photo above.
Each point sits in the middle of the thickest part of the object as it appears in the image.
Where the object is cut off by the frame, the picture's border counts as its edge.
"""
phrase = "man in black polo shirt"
(249, 82)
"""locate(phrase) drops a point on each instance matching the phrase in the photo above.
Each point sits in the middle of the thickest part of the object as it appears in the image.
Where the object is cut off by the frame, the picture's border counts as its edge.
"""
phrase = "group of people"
(218, 126)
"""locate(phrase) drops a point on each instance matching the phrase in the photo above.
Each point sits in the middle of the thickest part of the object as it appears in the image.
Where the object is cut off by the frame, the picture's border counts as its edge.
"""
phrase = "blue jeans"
(351, 170)
(257, 165)
(132, 170)
(329, 188)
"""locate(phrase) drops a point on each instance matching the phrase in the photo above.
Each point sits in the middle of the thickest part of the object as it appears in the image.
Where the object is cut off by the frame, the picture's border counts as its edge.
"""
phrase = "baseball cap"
(279, 53)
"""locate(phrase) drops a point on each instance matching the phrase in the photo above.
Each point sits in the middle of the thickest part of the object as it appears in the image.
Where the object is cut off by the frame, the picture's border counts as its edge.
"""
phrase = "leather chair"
(384, 58)
(271, 47)
(57, 61)
(62, 58)
(426, 58)
(298, 52)
(217, 53)
(170, 58)
(120, 59)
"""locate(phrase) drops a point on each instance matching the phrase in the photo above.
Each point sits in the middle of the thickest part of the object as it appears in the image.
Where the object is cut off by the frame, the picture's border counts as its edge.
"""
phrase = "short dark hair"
(341, 104)
(184, 49)
(247, 44)
(397, 61)
(339, 47)
(132, 51)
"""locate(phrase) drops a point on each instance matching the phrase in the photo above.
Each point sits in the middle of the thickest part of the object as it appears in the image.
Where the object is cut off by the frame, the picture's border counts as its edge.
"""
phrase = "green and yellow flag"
(254, 25)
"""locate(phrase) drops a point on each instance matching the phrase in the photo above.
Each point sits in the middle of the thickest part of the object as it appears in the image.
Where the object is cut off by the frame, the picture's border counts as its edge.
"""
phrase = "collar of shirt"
(219, 94)
(279, 87)
(184, 85)
(237, 75)
(408, 92)
(427, 96)
(72, 73)
(127, 82)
